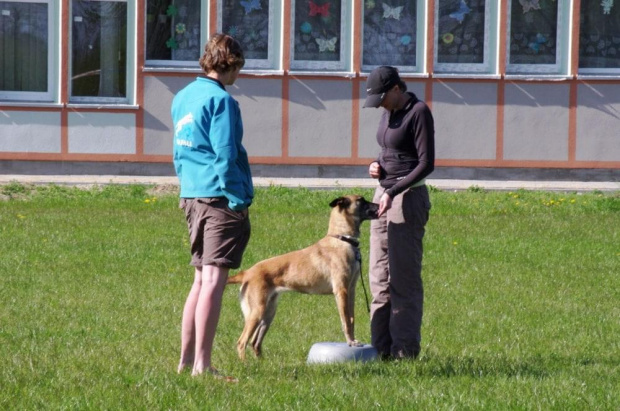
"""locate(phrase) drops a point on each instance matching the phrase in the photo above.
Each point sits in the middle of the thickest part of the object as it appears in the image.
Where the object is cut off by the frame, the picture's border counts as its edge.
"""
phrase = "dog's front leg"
(346, 318)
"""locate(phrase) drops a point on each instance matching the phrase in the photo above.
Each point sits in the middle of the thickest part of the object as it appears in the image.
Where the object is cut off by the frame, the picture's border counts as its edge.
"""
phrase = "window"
(251, 22)
(599, 40)
(534, 36)
(319, 34)
(26, 38)
(390, 34)
(462, 31)
(173, 32)
(99, 50)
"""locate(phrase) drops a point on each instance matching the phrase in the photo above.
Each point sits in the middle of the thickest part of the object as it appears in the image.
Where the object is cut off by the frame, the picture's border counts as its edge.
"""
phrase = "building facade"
(513, 84)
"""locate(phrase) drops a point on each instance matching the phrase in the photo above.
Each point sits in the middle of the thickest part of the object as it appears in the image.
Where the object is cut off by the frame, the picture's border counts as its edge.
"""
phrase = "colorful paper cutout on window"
(389, 33)
(533, 32)
(248, 22)
(599, 36)
(460, 31)
(317, 30)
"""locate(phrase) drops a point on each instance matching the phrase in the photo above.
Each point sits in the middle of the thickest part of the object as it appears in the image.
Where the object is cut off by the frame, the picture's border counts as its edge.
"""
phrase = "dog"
(331, 265)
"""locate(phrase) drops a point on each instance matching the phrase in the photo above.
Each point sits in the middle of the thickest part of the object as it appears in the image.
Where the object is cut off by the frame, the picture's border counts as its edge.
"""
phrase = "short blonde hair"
(222, 54)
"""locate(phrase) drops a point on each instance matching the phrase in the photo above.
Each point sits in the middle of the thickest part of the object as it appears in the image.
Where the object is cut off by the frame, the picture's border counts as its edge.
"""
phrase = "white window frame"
(344, 62)
(193, 64)
(53, 69)
(486, 65)
(421, 45)
(561, 49)
(131, 61)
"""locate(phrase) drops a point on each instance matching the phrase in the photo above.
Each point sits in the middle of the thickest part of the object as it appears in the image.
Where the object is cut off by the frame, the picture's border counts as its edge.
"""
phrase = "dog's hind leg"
(254, 304)
(263, 327)
(251, 323)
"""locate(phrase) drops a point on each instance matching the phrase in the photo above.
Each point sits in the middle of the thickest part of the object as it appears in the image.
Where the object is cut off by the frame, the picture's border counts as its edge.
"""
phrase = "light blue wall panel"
(102, 133)
(260, 101)
(465, 120)
(598, 122)
(536, 122)
(158, 94)
(320, 118)
(24, 131)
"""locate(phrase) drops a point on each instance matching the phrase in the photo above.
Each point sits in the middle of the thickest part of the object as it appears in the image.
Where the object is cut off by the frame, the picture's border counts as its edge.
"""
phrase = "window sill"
(402, 75)
(171, 69)
(467, 76)
(598, 77)
(538, 77)
(310, 73)
(30, 104)
(99, 106)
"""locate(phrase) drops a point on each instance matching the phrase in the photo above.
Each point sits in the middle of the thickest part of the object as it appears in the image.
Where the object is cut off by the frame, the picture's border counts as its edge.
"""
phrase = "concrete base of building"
(14, 167)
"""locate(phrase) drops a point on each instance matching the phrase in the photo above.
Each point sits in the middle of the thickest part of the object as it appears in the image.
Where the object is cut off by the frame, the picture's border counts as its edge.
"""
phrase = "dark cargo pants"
(396, 273)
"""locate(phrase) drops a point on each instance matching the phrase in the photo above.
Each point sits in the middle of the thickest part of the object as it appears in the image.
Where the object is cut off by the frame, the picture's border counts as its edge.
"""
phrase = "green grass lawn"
(522, 306)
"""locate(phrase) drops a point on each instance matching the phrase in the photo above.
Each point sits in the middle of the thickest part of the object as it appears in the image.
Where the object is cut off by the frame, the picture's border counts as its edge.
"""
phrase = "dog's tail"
(236, 279)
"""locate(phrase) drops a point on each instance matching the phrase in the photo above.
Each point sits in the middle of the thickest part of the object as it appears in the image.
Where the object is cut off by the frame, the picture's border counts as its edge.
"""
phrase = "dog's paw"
(355, 343)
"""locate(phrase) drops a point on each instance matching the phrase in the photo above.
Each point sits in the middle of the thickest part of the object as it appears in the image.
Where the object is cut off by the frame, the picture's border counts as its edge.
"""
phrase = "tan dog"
(331, 265)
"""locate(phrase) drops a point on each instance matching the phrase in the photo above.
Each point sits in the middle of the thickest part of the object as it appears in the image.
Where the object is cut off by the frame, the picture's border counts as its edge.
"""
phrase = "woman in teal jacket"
(216, 191)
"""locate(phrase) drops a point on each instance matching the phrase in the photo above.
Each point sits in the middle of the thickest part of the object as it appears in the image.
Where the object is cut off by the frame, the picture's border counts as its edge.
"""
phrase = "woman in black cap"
(406, 136)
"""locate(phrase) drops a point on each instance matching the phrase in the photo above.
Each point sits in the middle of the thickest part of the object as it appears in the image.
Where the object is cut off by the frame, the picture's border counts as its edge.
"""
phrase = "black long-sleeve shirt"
(407, 140)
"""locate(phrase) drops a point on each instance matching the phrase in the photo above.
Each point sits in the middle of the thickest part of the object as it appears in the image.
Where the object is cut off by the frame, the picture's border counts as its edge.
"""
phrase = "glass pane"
(99, 55)
(23, 46)
(248, 22)
(599, 40)
(389, 36)
(533, 31)
(173, 30)
(460, 31)
(317, 30)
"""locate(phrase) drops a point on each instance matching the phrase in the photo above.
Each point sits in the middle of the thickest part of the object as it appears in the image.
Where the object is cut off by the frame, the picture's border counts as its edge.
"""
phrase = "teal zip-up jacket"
(209, 158)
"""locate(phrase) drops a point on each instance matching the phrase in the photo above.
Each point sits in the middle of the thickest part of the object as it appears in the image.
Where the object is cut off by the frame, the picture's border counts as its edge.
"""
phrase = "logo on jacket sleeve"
(183, 131)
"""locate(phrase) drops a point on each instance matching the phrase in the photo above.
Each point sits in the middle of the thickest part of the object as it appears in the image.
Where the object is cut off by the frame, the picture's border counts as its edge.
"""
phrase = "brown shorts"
(218, 235)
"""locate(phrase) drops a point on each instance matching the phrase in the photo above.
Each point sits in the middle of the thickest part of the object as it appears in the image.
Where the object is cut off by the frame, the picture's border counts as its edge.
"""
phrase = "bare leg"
(207, 315)
(188, 331)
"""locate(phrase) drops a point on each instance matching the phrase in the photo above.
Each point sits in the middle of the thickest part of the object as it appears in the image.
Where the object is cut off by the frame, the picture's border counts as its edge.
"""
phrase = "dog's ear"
(343, 202)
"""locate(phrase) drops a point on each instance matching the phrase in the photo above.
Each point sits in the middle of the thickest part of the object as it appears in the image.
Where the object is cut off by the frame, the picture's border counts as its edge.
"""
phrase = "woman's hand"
(385, 203)
(374, 170)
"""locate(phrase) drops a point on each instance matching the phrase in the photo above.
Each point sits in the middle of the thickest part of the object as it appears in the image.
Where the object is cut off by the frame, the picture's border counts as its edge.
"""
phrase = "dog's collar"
(348, 239)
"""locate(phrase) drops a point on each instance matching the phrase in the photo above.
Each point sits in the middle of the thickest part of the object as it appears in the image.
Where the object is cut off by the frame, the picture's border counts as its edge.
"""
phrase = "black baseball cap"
(380, 80)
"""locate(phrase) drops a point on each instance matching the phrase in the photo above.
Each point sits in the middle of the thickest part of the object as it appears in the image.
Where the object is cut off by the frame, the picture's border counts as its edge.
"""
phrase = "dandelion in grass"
(21, 216)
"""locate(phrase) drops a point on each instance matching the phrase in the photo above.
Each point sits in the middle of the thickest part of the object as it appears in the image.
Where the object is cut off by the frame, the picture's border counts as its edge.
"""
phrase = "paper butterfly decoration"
(530, 5)
(322, 10)
(463, 10)
(607, 5)
(250, 5)
(327, 44)
(393, 12)
(535, 45)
